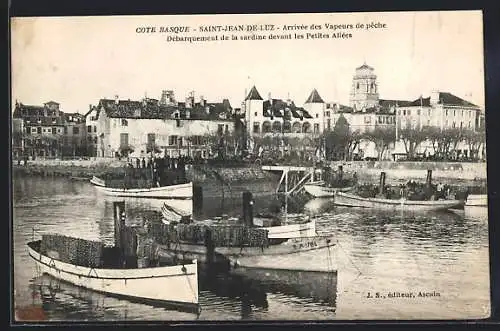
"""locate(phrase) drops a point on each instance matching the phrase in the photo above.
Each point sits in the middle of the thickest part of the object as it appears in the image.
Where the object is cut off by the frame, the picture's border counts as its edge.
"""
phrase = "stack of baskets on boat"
(220, 235)
(71, 250)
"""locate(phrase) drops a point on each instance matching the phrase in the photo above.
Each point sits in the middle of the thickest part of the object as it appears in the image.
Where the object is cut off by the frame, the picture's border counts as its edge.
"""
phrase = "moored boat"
(352, 200)
(174, 191)
(171, 285)
(308, 254)
(319, 189)
(477, 200)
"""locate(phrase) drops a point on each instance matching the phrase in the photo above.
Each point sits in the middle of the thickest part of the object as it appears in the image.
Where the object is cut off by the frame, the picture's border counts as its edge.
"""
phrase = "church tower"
(364, 92)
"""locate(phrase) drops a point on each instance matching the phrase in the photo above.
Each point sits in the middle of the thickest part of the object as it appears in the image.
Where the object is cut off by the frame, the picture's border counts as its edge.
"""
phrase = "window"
(399, 112)
(428, 122)
(95, 140)
(317, 115)
(172, 140)
(380, 118)
(95, 128)
(327, 114)
(39, 130)
(123, 140)
(368, 119)
(76, 130)
(329, 124)
(227, 128)
(404, 112)
(151, 139)
(255, 114)
(453, 125)
(65, 130)
(178, 122)
(316, 128)
(33, 130)
(418, 112)
(462, 113)
(54, 130)
(469, 125)
(357, 86)
(220, 128)
(124, 122)
(454, 113)
(446, 112)
(409, 112)
(428, 112)
(256, 127)
(89, 128)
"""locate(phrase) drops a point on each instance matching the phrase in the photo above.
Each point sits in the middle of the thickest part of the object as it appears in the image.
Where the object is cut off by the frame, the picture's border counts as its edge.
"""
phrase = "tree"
(412, 138)
(342, 140)
(445, 141)
(382, 137)
(474, 140)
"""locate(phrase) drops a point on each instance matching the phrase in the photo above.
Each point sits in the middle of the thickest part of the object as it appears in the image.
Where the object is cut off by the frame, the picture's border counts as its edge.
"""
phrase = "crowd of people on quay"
(161, 170)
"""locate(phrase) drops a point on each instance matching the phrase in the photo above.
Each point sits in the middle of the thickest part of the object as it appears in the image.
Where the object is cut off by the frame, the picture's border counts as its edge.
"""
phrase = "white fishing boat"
(298, 229)
(319, 189)
(352, 200)
(311, 254)
(176, 191)
(173, 285)
(477, 200)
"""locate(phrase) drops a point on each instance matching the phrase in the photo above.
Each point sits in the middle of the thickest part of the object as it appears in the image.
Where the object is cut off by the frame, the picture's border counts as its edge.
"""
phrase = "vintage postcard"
(249, 167)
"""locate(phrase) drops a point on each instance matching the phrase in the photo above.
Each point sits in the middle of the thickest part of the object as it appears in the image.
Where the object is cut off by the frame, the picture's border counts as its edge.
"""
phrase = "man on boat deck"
(137, 163)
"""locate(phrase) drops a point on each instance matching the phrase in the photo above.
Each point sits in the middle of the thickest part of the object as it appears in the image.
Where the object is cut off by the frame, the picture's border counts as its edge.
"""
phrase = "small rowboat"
(477, 200)
(175, 286)
(351, 200)
(176, 191)
(320, 190)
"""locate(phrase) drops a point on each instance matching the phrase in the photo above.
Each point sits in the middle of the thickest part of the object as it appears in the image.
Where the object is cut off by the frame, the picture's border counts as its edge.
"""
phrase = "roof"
(388, 103)
(314, 97)
(280, 108)
(151, 109)
(51, 102)
(364, 66)
(447, 98)
(253, 94)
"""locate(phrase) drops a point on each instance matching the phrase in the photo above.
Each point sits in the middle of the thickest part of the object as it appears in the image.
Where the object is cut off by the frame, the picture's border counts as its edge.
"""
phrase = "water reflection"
(446, 251)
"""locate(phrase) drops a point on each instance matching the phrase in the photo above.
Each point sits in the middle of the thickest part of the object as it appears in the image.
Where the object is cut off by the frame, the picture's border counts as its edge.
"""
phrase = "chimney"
(202, 101)
(207, 109)
(269, 98)
(188, 113)
(116, 99)
(90, 107)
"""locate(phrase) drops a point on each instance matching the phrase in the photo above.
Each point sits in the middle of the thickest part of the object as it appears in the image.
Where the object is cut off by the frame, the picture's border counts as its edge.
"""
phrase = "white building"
(180, 129)
(273, 116)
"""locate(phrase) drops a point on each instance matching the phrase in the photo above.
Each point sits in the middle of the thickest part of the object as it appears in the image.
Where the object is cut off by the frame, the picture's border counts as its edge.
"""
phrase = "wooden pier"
(292, 178)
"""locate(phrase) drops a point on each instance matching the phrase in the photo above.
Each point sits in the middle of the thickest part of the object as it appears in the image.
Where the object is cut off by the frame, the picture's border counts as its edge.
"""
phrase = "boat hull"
(292, 230)
(314, 254)
(477, 200)
(351, 200)
(179, 191)
(170, 285)
(319, 190)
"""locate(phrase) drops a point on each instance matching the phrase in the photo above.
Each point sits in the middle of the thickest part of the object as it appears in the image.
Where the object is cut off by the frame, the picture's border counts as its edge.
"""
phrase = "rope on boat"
(184, 270)
(350, 260)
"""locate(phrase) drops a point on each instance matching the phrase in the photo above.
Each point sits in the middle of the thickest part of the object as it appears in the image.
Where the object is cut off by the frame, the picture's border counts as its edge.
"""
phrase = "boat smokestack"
(382, 183)
(248, 208)
(429, 178)
(197, 197)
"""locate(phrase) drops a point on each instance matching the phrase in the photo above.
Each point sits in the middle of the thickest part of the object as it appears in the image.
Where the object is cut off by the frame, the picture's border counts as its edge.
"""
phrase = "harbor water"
(381, 258)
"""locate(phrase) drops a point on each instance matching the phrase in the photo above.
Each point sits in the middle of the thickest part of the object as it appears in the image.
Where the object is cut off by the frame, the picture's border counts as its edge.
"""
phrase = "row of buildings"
(114, 127)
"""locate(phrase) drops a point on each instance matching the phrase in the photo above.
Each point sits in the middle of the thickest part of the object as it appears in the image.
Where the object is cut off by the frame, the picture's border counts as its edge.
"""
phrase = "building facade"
(278, 116)
(44, 128)
(124, 127)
